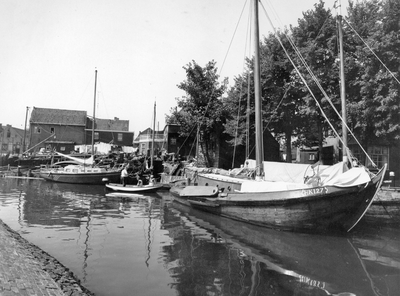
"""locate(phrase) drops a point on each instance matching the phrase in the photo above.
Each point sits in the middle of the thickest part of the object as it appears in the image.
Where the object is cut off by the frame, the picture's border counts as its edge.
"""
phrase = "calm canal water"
(148, 245)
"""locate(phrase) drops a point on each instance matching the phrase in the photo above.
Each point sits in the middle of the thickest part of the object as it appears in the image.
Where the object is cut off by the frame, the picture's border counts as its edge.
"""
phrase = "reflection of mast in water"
(373, 287)
(255, 271)
(255, 277)
(150, 234)
(86, 242)
(85, 253)
(20, 208)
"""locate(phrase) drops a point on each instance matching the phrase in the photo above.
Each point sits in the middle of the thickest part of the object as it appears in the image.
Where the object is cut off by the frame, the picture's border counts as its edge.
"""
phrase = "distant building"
(63, 130)
(111, 131)
(115, 124)
(144, 140)
(56, 129)
(172, 141)
(11, 140)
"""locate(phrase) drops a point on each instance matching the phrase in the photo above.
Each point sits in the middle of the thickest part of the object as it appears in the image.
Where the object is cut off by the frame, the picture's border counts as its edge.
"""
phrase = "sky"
(50, 49)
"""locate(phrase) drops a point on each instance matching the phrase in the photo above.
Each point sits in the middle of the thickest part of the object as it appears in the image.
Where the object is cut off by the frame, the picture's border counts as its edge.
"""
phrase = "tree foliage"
(372, 64)
(201, 108)
(374, 107)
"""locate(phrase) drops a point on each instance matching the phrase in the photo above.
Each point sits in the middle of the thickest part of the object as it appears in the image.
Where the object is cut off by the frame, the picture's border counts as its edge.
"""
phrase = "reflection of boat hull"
(325, 263)
(133, 188)
(318, 209)
(81, 178)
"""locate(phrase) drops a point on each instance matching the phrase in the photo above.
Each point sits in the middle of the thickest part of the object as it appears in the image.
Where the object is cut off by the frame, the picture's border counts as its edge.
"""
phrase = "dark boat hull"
(317, 209)
(82, 178)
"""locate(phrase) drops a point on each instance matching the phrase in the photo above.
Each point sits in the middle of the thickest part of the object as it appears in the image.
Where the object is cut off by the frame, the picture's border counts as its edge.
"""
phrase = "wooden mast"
(152, 139)
(23, 142)
(342, 92)
(94, 111)
(257, 93)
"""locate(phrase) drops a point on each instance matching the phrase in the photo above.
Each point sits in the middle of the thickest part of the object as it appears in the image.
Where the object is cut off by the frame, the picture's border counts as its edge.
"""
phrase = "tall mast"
(342, 91)
(257, 92)
(152, 140)
(26, 117)
(248, 118)
(94, 110)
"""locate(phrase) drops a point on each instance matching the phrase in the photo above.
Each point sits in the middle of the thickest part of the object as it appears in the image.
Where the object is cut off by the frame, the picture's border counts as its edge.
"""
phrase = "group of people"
(125, 176)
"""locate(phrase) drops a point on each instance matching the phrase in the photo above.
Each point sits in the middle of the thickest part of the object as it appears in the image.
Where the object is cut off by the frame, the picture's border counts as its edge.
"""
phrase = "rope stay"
(315, 79)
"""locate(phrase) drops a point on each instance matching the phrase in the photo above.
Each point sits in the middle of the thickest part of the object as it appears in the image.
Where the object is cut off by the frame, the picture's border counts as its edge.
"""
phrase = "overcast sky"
(49, 51)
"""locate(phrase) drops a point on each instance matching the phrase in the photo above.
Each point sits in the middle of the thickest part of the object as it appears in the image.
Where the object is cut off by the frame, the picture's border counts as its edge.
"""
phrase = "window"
(62, 148)
(96, 136)
(8, 133)
(37, 130)
(173, 141)
(311, 156)
(119, 137)
(52, 130)
(4, 147)
(379, 155)
(143, 148)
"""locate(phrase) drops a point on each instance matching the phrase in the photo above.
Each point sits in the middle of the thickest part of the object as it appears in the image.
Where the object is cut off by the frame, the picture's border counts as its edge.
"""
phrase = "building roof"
(110, 131)
(112, 124)
(58, 116)
(147, 133)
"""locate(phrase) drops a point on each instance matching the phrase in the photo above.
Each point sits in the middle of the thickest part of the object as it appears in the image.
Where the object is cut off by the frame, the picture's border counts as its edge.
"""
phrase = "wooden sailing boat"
(86, 173)
(334, 198)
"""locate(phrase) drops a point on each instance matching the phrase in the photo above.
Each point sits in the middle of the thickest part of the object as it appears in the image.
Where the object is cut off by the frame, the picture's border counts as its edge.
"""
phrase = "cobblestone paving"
(20, 272)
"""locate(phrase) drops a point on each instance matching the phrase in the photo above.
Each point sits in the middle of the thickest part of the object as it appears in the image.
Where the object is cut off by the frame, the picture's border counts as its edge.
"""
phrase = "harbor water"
(126, 244)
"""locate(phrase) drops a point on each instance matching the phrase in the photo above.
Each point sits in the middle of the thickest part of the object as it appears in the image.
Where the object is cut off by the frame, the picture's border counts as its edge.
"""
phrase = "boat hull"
(318, 209)
(133, 188)
(81, 178)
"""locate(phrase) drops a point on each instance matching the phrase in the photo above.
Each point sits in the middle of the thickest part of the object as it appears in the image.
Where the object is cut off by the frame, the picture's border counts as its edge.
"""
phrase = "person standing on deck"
(124, 176)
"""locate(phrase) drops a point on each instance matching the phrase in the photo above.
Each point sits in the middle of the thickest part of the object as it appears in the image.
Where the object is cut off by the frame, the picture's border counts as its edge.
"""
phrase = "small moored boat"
(133, 188)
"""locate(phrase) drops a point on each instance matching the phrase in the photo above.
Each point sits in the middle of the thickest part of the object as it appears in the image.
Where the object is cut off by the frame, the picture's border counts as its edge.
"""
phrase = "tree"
(288, 108)
(201, 109)
(316, 36)
(375, 106)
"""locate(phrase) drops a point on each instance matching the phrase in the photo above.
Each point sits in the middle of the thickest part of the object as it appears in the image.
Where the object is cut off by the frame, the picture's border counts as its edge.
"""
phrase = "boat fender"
(105, 180)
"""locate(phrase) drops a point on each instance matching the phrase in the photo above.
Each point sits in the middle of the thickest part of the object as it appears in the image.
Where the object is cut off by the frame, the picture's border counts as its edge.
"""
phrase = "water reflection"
(249, 260)
(146, 245)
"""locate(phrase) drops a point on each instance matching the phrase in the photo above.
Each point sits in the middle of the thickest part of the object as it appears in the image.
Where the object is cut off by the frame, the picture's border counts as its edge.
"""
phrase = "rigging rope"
(390, 72)
(233, 36)
(317, 83)
(240, 96)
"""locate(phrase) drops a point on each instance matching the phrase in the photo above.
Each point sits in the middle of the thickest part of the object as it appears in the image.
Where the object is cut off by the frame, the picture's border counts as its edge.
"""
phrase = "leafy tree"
(201, 109)
(375, 106)
(315, 36)
(278, 114)
(372, 93)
